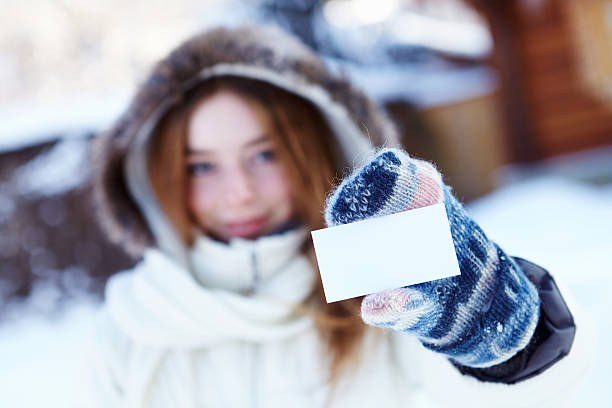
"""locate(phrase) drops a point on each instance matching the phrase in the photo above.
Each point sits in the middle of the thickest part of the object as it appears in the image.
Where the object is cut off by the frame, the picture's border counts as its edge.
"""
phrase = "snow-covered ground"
(562, 225)
(41, 358)
(566, 227)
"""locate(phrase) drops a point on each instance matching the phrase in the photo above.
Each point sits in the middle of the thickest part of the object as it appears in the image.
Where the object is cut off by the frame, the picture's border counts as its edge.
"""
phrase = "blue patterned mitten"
(480, 318)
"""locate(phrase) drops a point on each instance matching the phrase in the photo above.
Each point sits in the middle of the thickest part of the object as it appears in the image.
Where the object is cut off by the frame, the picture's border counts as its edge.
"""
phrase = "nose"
(239, 188)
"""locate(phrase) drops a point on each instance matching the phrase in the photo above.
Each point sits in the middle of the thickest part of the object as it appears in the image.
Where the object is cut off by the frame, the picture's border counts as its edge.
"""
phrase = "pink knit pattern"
(420, 185)
(428, 189)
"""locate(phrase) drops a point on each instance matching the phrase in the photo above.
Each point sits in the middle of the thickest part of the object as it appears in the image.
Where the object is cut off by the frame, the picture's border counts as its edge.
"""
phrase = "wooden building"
(555, 63)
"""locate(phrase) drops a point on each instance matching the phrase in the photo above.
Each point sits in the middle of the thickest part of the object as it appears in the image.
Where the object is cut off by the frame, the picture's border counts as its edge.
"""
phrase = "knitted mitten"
(479, 318)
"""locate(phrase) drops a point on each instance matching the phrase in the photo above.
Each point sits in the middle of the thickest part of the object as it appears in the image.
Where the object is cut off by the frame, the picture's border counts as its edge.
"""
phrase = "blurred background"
(512, 99)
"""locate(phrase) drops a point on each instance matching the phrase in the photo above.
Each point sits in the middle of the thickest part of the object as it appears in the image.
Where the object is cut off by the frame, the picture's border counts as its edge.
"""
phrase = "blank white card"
(387, 252)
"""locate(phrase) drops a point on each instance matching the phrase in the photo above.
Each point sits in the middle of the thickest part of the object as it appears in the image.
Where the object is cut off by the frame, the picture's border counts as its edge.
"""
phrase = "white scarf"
(244, 290)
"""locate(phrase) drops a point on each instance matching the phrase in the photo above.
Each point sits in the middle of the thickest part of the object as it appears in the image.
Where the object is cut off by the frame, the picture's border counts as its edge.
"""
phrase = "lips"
(245, 229)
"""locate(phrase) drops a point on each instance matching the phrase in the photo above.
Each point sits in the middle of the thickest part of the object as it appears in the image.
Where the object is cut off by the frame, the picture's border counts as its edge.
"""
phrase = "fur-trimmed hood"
(125, 204)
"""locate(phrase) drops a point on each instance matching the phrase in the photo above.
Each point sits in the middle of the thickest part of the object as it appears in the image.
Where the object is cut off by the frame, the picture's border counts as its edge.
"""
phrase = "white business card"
(386, 252)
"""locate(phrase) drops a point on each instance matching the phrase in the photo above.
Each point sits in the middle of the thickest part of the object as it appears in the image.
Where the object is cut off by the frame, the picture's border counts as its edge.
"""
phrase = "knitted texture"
(479, 318)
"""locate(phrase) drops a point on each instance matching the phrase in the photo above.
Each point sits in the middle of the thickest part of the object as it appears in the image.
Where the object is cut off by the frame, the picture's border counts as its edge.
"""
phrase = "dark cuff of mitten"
(551, 341)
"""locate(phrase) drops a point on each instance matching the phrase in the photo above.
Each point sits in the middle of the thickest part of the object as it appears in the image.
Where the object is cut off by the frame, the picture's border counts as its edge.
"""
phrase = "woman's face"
(236, 186)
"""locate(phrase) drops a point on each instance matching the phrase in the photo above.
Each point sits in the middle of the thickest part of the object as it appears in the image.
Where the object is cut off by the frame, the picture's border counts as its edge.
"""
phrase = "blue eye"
(265, 156)
(199, 168)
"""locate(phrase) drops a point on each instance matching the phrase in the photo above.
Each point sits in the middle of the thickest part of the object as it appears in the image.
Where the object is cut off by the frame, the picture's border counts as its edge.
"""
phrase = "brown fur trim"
(263, 47)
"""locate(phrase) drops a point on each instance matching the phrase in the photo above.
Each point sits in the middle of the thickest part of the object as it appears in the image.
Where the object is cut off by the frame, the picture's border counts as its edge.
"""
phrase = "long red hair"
(312, 160)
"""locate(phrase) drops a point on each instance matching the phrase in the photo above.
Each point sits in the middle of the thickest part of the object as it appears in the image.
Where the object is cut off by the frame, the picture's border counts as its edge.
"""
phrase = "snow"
(29, 123)
(563, 226)
(425, 87)
(62, 168)
(41, 357)
(359, 27)
(560, 224)
(453, 37)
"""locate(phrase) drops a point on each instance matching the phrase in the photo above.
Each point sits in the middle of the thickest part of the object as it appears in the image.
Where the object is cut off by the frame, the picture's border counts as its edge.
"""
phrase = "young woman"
(214, 177)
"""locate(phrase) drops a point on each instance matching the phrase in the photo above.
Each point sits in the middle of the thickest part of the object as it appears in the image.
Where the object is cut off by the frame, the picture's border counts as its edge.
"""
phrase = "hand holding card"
(480, 318)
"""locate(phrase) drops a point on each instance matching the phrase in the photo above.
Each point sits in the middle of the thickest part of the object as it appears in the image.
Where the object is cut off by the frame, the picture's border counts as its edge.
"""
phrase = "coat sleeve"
(545, 375)
(552, 340)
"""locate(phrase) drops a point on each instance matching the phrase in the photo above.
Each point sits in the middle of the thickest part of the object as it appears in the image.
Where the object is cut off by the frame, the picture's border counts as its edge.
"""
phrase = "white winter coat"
(228, 337)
